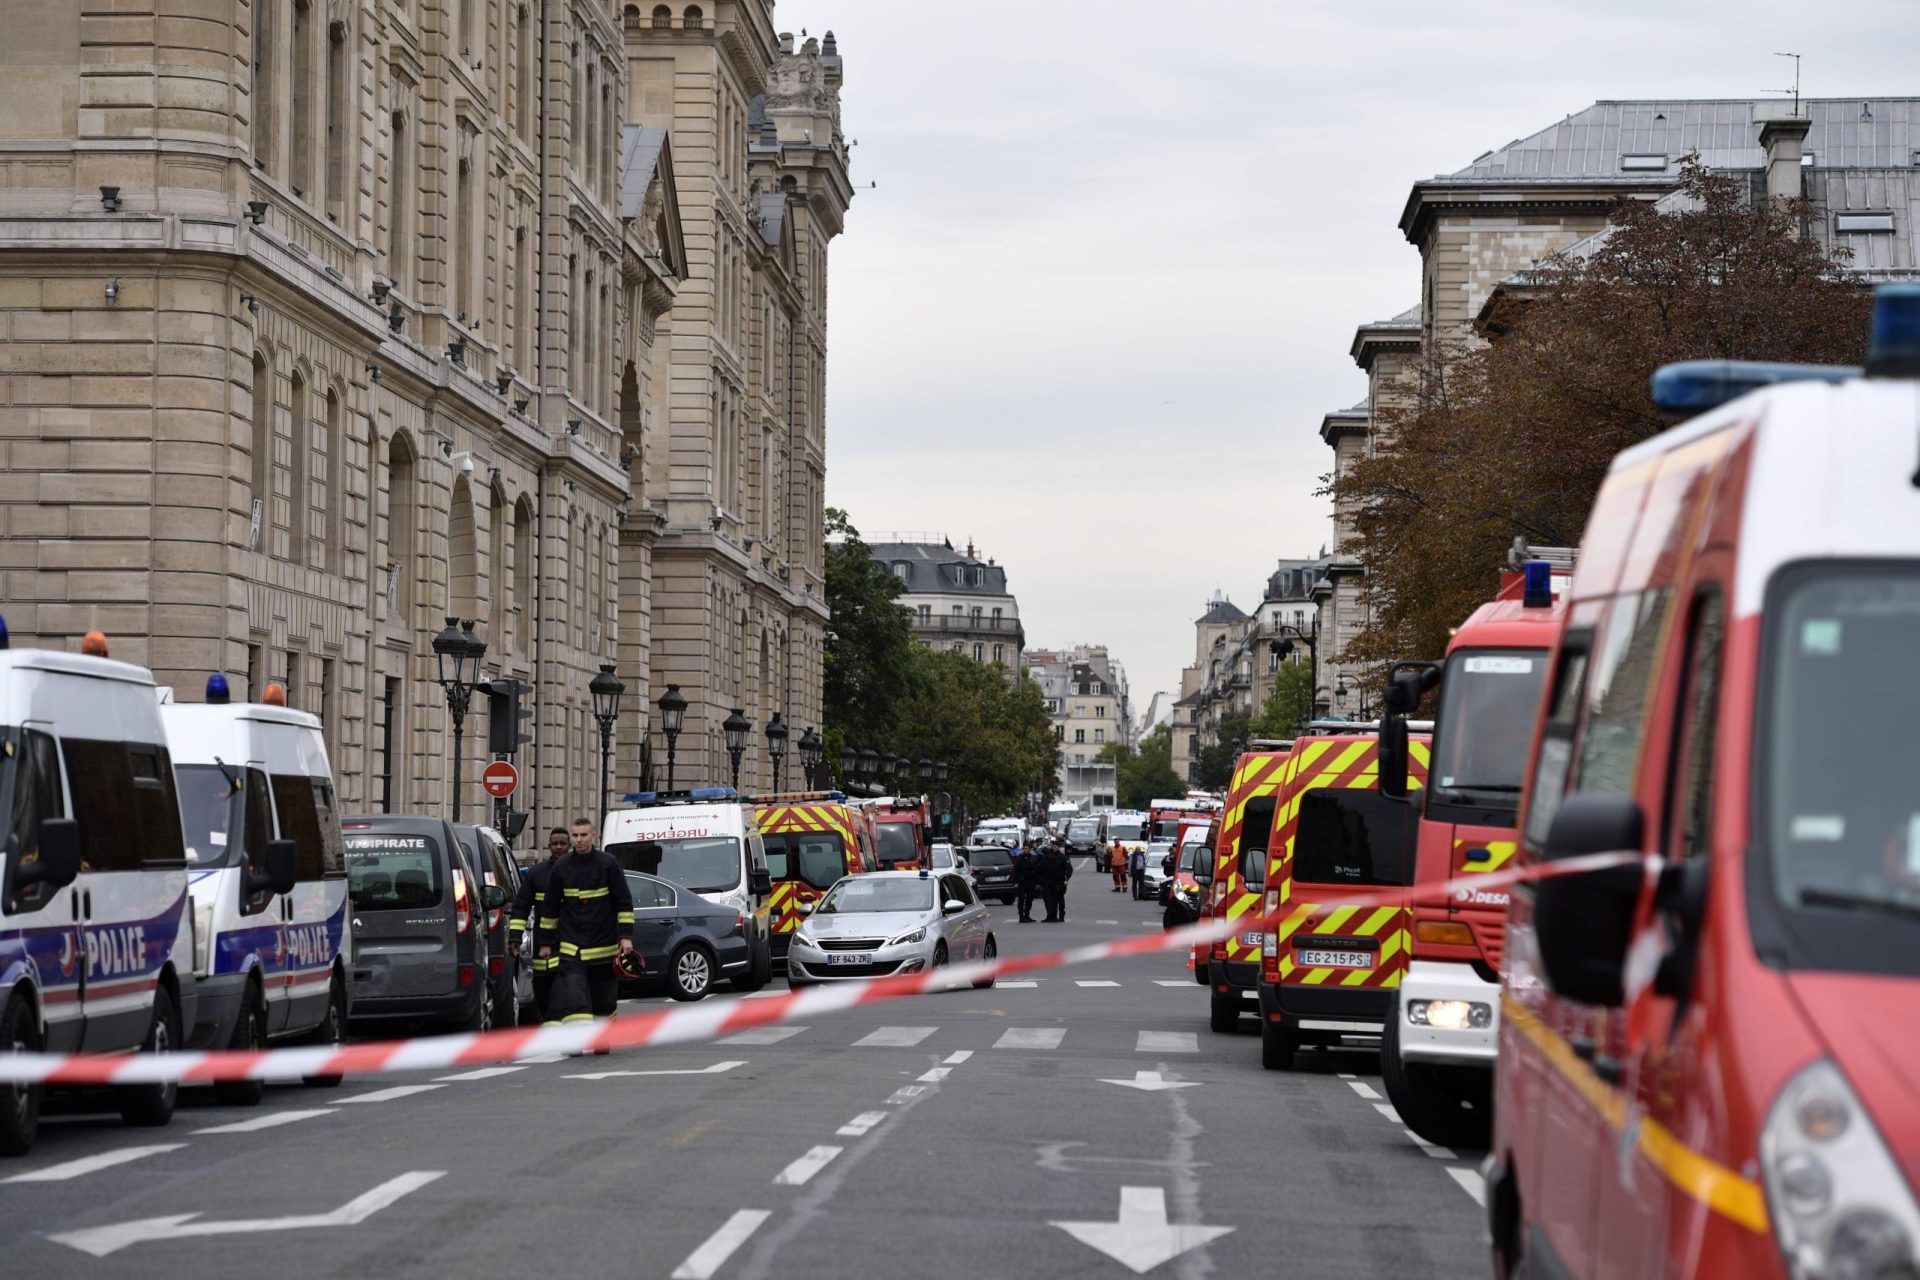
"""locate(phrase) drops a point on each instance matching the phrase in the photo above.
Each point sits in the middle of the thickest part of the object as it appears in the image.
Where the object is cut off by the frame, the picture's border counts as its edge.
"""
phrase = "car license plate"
(1334, 959)
(850, 957)
(1250, 938)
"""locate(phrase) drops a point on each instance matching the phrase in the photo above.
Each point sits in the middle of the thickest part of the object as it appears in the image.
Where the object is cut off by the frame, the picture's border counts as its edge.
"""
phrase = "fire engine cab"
(1708, 1056)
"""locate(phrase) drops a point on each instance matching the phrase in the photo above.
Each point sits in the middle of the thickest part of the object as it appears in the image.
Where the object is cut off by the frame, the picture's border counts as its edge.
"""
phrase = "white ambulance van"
(96, 942)
(268, 874)
(706, 840)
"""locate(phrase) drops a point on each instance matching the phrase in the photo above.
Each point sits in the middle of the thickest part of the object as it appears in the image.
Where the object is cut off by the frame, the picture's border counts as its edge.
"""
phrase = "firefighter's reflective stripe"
(549, 922)
(516, 925)
(600, 892)
(623, 917)
(589, 954)
(544, 964)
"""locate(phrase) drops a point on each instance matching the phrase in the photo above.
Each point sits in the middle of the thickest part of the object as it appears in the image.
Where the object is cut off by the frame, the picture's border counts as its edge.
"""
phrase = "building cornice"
(1509, 195)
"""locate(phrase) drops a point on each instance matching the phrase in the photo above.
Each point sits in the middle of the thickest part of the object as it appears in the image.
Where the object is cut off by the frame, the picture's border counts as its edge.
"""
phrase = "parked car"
(991, 869)
(1155, 884)
(487, 850)
(891, 922)
(686, 942)
(419, 936)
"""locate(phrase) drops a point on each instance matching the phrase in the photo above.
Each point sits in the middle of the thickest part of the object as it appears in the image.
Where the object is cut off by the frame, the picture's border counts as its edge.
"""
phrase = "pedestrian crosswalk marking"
(935, 1075)
(895, 1037)
(763, 1035)
(802, 1170)
(1015, 986)
(1031, 1038)
(860, 1124)
(480, 1073)
(1172, 982)
(1095, 982)
(957, 1057)
(1167, 1042)
(389, 1095)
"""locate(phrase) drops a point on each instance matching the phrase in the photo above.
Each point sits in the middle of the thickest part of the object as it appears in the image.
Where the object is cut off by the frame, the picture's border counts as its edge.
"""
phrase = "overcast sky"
(1093, 311)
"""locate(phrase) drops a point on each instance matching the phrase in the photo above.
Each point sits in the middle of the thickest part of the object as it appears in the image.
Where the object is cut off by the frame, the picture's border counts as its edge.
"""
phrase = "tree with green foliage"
(995, 735)
(1141, 774)
(1213, 767)
(869, 642)
(1290, 705)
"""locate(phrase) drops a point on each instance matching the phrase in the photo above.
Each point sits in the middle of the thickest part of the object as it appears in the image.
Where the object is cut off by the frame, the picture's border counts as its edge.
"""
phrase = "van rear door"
(402, 903)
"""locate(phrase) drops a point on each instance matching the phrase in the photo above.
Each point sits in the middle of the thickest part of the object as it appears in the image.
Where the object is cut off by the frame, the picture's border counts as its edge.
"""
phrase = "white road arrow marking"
(1142, 1238)
(93, 1164)
(101, 1241)
(714, 1070)
(1152, 1082)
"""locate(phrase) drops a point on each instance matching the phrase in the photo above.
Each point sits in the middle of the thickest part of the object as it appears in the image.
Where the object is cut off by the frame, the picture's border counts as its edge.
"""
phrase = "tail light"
(462, 905)
(466, 975)
(739, 922)
(1219, 892)
(1457, 935)
(498, 914)
(496, 965)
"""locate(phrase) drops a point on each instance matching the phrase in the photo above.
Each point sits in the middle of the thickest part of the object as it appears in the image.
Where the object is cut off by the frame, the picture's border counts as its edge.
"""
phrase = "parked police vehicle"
(267, 873)
(419, 908)
(96, 944)
(705, 840)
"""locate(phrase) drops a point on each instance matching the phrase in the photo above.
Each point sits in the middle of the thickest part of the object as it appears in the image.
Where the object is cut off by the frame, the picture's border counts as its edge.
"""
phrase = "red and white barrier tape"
(680, 1024)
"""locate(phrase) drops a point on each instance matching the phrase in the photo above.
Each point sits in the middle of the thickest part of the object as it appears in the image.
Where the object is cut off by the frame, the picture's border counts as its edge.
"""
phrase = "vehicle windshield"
(989, 856)
(1127, 829)
(210, 807)
(1084, 829)
(943, 857)
(877, 893)
(1349, 836)
(704, 864)
(1167, 828)
(393, 872)
(1841, 814)
(1194, 855)
(1488, 704)
(893, 843)
(817, 858)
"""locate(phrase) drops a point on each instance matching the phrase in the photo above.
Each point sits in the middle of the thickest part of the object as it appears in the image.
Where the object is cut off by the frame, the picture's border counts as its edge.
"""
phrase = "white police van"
(706, 840)
(268, 874)
(96, 944)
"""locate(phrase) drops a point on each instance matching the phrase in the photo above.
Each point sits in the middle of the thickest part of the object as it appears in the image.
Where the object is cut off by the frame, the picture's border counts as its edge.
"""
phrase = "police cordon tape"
(682, 1024)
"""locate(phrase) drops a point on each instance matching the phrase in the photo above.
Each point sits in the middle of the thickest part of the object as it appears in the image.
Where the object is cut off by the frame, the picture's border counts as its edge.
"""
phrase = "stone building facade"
(956, 600)
(321, 322)
(1086, 695)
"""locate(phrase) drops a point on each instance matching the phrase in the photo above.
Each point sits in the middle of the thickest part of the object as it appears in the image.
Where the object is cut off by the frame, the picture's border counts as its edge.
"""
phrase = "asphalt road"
(943, 1136)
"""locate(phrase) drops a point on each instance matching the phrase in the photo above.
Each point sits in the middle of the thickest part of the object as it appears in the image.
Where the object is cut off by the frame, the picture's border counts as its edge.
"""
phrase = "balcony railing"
(965, 622)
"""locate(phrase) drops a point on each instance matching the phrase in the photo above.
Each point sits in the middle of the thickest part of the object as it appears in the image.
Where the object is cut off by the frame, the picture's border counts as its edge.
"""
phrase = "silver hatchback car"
(887, 922)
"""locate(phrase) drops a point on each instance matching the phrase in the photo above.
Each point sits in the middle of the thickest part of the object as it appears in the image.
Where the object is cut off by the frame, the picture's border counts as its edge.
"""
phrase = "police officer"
(586, 919)
(1055, 870)
(533, 888)
(1026, 880)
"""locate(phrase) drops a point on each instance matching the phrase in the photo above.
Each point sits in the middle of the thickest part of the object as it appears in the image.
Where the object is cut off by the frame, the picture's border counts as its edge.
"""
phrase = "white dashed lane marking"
(763, 1035)
(860, 1124)
(935, 1076)
(480, 1073)
(1095, 982)
(389, 1095)
(1167, 1042)
(93, 1164)
(800, 1171)
(895, 1037)
(1364, 1089)
(1031, 1038)
(956, 1058)
(272, 1120)
(1471, 1183)
(1015, 986)
(1174, 982)
(905, 1093)
(712, 1255)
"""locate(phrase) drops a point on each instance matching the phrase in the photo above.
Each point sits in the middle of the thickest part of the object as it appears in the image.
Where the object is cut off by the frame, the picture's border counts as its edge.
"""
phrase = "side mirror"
(1584, 923)
(58, 862)
(806, 908)
(953, 906)
(279, 874)
(493, 897)
(1203, 874)
(760, 882)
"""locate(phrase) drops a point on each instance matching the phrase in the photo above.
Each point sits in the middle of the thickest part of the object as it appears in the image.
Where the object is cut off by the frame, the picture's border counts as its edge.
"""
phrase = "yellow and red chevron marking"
(803, 819)
(1502, 851)
(1258, 773)
(1386, 926)
(783, 906)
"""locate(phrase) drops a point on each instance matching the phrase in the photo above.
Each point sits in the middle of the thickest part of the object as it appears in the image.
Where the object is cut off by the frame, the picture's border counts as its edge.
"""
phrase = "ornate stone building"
(324, 320)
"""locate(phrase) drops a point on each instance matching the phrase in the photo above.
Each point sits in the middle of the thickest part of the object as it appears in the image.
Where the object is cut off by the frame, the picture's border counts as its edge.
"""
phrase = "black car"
(686, 942)
(487, 851)
(992, 868)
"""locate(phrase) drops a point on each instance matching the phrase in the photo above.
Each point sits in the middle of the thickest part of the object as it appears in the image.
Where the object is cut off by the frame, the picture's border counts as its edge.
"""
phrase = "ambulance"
(705, 840)
(1235, 884)
(1436, 1056)
(270, 956)
(1709, 1056)
(813, 840)
(96, 935)
(1345, 822)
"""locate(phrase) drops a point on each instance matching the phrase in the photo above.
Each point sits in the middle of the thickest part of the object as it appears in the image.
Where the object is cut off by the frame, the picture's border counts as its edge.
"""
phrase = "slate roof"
(935, 568)
(1222, 611)
(639, 153)
(773, 212)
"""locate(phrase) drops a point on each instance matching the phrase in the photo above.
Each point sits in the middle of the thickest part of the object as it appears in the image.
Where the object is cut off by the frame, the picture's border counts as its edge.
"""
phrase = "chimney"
(1783, 139)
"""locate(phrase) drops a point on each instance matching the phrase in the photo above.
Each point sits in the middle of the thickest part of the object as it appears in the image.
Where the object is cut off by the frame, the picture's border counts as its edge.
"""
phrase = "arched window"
(299, 488)
(522, 604)
(662, 17)
(301, 174)
(402, 519)
(462, 557)
(400, 180)
(260, 533)
(694, 18)
(338, 113)
(336, 496)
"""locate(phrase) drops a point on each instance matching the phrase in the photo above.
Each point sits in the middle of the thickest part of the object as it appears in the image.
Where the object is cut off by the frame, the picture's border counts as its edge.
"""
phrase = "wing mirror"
(806, 908)
(56, 864)
(953, 906)
(760, 882)
(1584, 923)
(493, 897)
(279, 872)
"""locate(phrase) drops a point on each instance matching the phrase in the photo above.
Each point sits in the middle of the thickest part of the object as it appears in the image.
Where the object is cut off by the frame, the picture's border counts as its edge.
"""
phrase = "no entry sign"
(500, 778)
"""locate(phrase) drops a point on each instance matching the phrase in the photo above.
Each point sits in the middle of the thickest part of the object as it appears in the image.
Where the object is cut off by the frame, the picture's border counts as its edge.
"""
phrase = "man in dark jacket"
(1055, 870)
(1026, 880)
(526, 904)
(586, 919)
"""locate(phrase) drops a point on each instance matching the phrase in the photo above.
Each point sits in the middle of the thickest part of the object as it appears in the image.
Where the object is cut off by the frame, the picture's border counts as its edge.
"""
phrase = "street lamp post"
(889, 765)
(869, 763)
(458, 653)
(812, 751)
(777, 748)
(736, 727)
(606, 689)
(849, 764)
(673, 714)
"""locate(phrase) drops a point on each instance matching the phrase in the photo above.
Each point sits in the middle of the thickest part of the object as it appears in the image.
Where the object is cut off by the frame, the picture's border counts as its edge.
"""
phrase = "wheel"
(989, 954)
(1277, 1046)
(480, 1021)
(19, 1103)
(940, 959)
(331, 1032)
(759, 969)
(151, 1105)
(690, 973)
(249, 1036)
(1223, 1013)
(1448, 1106)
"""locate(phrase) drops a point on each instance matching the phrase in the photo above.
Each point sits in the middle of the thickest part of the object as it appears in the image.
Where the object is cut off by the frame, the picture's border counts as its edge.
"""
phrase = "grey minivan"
(419, 925)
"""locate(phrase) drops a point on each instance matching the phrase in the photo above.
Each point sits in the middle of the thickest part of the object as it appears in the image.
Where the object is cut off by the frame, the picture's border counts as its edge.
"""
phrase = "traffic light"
(508, 706)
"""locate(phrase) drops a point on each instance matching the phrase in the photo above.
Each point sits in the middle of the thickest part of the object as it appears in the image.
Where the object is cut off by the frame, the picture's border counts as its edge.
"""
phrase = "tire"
(19, 1103)
(249, 1036)
(1223, 1012)
(480, 1021)
(690, 973)
(940, 959)
(1441, 1104)
(1277, 1046)
(759, 969)
(989, 954)
(150, 1106)
(331, 1031)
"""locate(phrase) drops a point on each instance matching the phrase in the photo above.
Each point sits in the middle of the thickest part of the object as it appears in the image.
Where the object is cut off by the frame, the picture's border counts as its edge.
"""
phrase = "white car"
(1156, 878)
(888, 922)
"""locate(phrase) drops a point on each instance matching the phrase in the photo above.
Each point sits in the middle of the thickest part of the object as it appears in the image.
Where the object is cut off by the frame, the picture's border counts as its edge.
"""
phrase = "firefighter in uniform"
(586, 919)
(533, 888)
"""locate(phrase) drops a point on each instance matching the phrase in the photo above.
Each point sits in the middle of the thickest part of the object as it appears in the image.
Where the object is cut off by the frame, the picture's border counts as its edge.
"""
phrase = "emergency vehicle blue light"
(1695, 386)
(1538, 589)
(640, 797)
(1896, 332)
(5, 642)
(217, 693)
(696, 795)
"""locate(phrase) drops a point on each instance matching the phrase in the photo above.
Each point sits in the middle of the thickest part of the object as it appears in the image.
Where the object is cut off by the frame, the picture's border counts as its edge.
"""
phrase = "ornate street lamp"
(736, 727)
(940, 772)
(849, 761)
(812, 751)
(606, 689)
(926, 774)
(777, 748)
(869, 763)
(673, 715)
(458, 653)
(889, 764)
